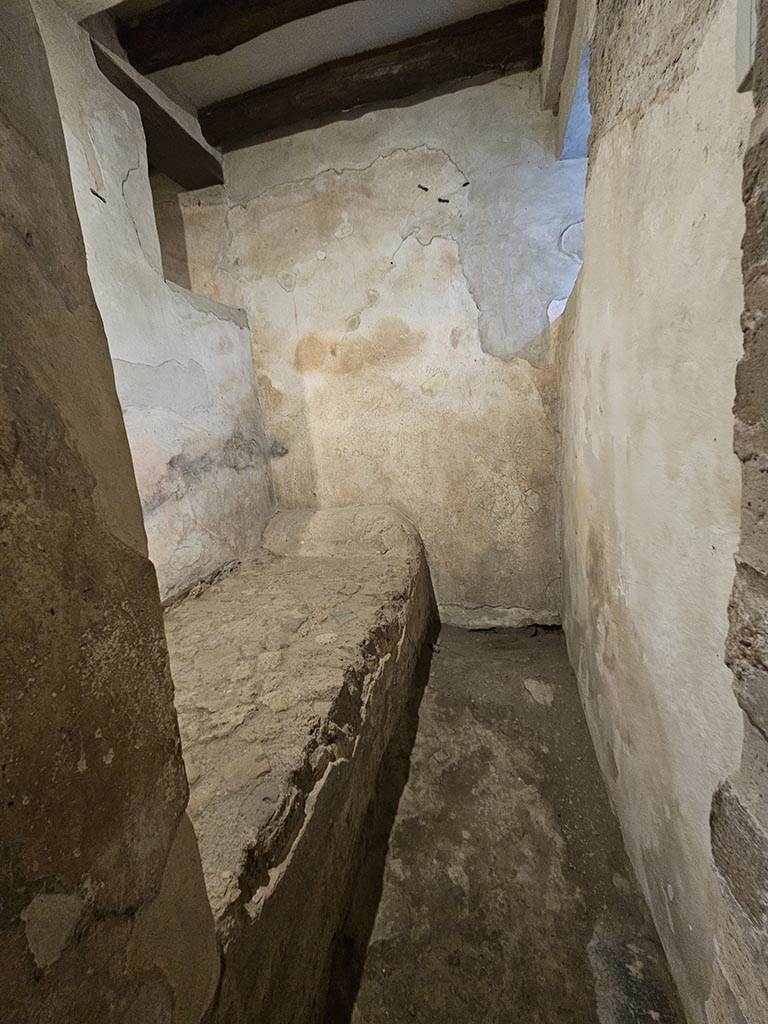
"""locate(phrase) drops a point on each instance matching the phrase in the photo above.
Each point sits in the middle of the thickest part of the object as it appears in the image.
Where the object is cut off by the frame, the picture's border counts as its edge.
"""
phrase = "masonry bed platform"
(291, 674)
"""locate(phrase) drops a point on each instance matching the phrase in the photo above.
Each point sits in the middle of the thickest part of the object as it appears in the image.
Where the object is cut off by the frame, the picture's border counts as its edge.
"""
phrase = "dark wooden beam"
(496, 43)
(170, 147)
(184, 30)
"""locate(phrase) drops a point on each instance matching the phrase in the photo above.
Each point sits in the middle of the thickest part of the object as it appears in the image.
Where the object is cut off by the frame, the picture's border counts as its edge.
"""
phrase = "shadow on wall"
(579, 124)
(351, 943)
(214, 256)
(170, 229)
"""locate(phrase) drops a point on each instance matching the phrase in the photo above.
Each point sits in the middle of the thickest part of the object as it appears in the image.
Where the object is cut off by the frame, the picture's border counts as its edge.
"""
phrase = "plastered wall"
(397, 271)
(182, 362)
(649, 347)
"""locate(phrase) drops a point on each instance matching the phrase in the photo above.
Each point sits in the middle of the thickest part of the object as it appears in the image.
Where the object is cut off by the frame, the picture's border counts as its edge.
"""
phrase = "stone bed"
(291, 673)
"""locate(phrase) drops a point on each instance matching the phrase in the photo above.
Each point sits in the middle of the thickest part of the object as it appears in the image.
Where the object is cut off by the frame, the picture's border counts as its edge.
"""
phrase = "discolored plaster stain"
(435, 383)
(270, 397)
(310, 353)
(287, 280)
(190, 468)
(390, 342)
(457, 336)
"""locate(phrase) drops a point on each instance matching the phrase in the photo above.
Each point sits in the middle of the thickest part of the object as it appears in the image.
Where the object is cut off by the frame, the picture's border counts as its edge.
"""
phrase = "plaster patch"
(555, 309)
(543, 693)
(49, 921)
(572, 240)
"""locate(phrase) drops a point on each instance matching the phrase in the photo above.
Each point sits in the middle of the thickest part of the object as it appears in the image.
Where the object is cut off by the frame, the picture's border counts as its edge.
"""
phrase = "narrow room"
(383, 457)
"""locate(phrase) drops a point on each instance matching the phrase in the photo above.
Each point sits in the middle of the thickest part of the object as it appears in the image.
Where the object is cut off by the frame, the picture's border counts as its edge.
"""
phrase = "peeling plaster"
(397, 273)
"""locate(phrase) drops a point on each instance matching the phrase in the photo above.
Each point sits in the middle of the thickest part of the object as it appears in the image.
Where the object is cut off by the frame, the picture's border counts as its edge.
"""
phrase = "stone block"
(291, 675)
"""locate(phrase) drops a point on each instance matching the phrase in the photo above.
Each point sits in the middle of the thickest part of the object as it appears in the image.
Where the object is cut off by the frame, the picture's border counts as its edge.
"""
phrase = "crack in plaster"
(340, 171)
(208, 307)
(123, 183)
(232, 204)
(414, 234)
(157, 366)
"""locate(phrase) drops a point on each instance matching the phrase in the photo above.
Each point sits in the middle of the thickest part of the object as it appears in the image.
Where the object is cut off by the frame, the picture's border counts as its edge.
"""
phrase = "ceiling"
(299, 45)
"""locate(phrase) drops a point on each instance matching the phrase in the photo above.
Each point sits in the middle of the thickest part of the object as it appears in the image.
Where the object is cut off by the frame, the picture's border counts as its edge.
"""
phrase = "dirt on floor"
(495, 887)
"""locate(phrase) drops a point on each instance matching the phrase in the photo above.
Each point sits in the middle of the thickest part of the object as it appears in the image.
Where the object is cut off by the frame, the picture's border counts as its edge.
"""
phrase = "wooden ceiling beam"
(185, 30)
(495, 43)
(170, 147)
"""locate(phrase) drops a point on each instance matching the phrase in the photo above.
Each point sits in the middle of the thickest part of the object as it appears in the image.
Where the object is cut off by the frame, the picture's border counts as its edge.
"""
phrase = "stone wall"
(740, 807)
(397, 271)
(649, 346)
(103, 914)
(182, 363)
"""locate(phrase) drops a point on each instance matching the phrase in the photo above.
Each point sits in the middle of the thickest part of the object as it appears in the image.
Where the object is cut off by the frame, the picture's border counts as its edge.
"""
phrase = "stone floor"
(495, 887)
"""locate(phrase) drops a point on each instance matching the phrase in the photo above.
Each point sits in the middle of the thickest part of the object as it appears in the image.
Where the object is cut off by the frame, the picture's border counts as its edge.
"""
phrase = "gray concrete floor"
(495, 887)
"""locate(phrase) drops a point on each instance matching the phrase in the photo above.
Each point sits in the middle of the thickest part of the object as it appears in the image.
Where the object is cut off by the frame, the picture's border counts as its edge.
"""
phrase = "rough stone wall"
(740, 807)
(649, 346)
(182, 363)
(397, 271)
(98, 866)
(664, 38)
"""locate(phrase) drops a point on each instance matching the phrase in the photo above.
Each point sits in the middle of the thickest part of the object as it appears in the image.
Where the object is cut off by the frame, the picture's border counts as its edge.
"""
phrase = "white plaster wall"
(182, 363)
(651, 488)
(397, 271)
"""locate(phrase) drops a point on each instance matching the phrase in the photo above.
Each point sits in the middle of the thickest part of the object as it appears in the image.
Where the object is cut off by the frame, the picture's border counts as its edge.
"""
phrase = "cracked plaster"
(182, 362)
(397, 271)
